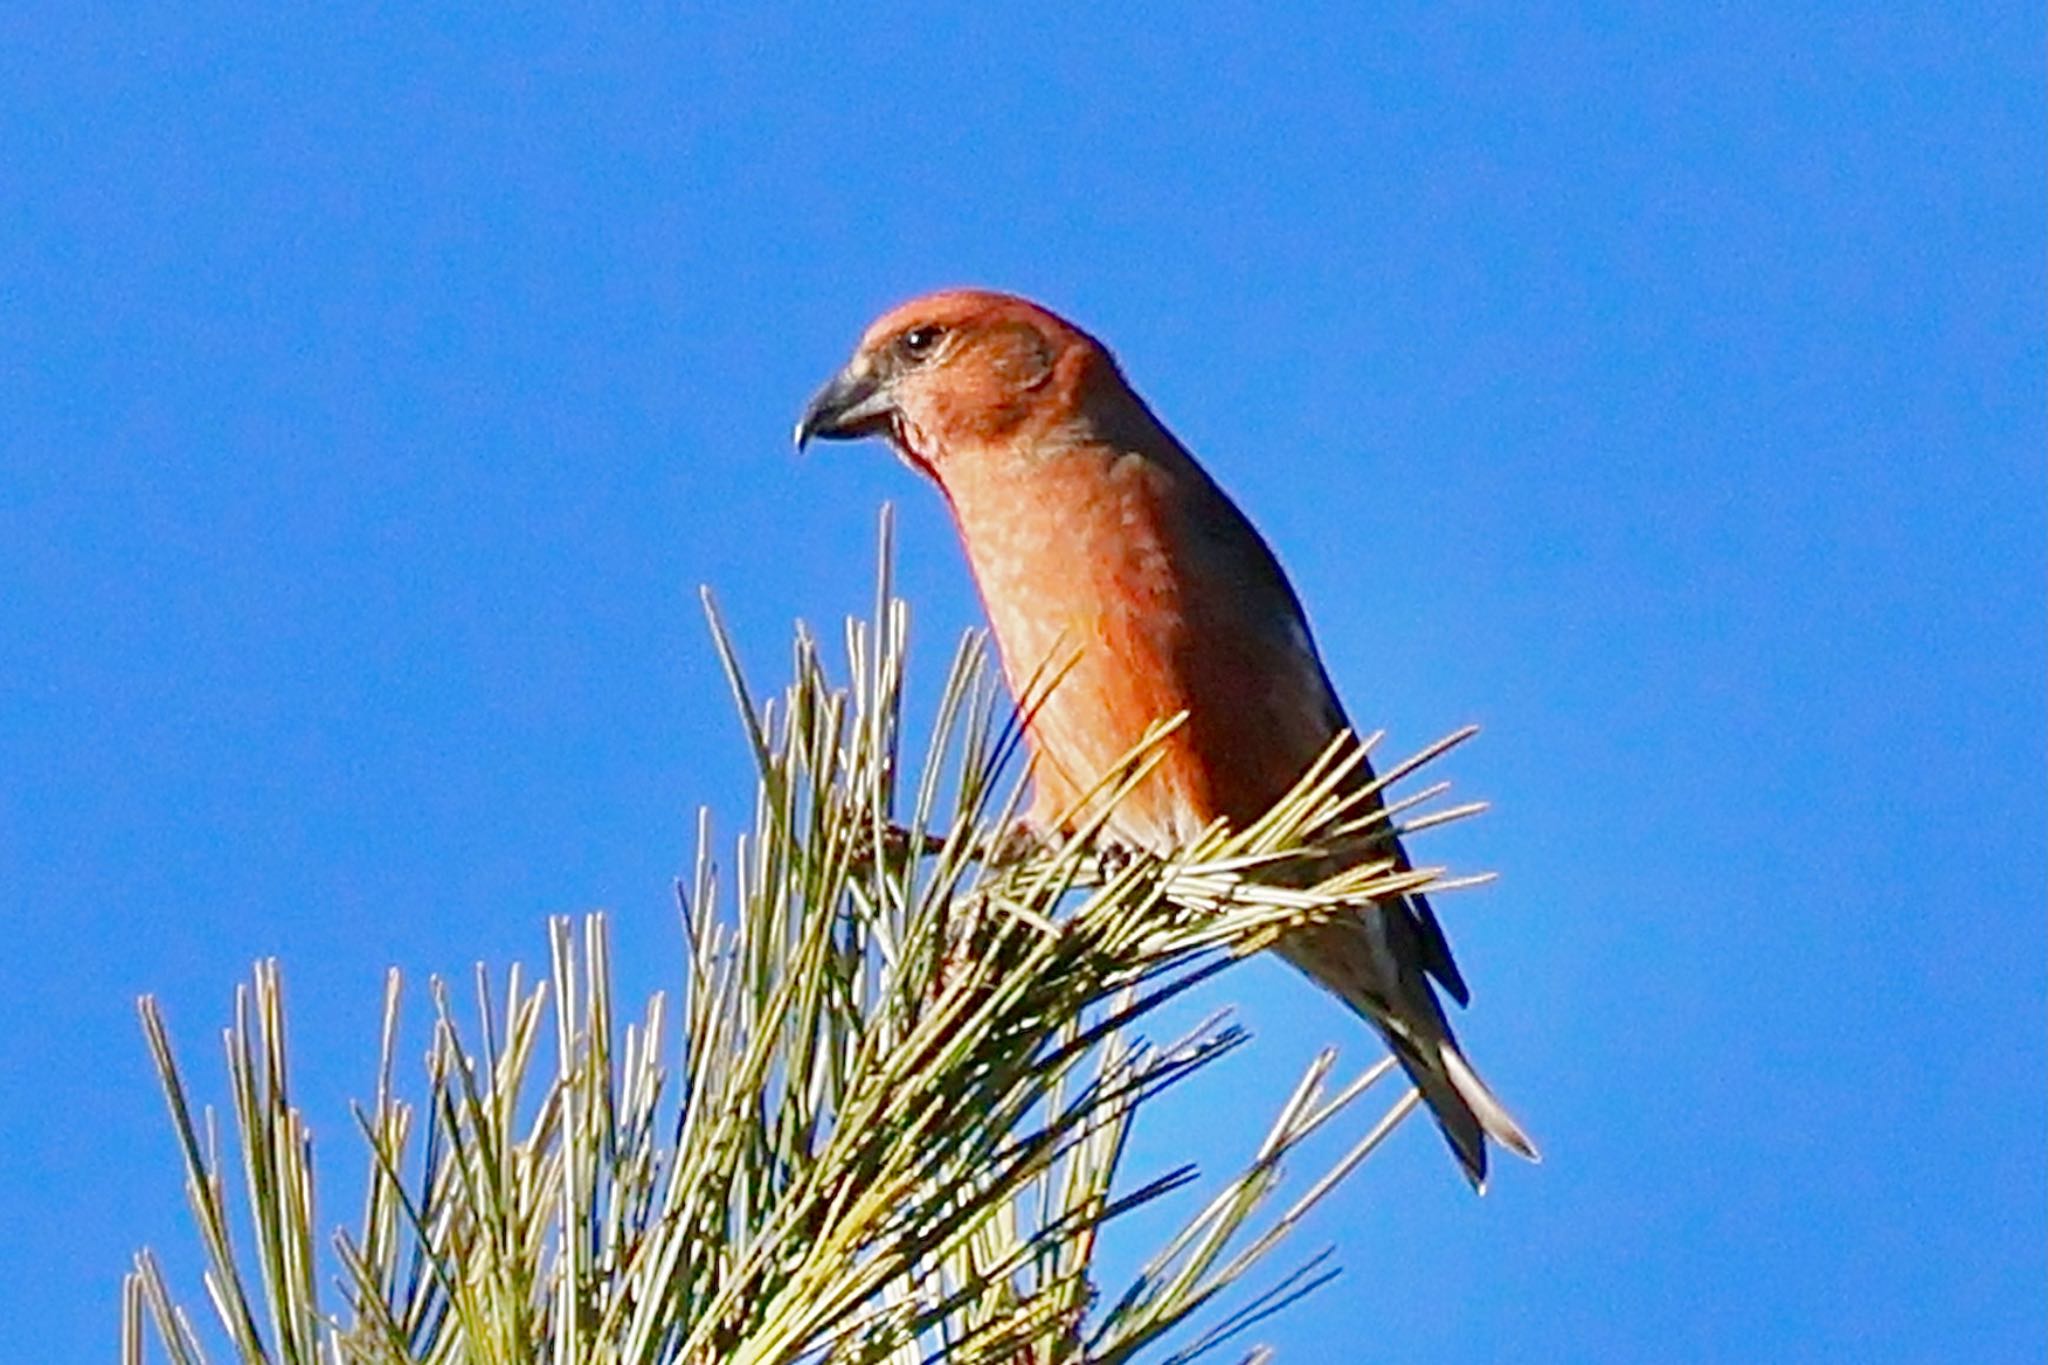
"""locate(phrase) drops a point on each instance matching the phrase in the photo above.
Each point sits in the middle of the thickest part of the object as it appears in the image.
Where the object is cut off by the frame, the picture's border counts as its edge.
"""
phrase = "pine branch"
(893, 1128)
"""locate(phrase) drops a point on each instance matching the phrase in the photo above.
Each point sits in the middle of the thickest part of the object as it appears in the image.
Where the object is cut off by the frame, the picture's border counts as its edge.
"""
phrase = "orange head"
(963, 372)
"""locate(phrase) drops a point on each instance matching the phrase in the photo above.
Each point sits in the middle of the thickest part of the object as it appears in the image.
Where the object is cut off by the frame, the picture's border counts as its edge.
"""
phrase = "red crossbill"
(1104, 552)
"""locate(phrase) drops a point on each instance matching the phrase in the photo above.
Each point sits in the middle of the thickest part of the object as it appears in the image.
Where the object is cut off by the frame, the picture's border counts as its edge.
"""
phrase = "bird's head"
(960, 373)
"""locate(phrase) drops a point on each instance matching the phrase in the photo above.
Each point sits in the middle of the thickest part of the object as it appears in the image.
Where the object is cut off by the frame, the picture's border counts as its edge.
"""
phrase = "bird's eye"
(919, 342)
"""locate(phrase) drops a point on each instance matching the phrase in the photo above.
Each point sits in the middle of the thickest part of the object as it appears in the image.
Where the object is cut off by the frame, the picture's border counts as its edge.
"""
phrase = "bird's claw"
(1113, 858)
(899, 845)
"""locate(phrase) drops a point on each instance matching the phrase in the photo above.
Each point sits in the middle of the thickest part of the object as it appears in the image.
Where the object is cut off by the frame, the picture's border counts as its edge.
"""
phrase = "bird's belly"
(1086, 719)
(1107, 629)
(1095, 686)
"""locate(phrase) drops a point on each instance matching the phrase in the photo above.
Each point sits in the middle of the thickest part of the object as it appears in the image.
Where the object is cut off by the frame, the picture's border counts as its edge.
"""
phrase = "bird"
(1110, 563)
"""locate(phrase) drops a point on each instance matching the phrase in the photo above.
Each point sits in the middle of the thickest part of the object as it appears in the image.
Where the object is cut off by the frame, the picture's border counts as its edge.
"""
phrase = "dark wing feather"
(1264, 605)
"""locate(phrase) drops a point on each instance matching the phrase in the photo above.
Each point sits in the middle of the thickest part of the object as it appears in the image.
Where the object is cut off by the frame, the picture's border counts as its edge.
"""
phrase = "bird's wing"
(1296, 700)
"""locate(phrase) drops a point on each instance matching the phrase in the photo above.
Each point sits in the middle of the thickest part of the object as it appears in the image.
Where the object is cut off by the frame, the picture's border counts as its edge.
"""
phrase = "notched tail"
(1493, 1116)
(1373, 964)
(1465, 1110)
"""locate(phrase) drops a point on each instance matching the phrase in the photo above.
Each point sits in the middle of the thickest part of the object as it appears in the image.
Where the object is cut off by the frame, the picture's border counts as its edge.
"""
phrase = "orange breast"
(1108, 621)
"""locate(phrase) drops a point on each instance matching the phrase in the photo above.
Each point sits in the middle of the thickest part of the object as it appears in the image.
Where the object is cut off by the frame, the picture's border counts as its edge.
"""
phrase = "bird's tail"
(1355, 960)
(1464, 1108)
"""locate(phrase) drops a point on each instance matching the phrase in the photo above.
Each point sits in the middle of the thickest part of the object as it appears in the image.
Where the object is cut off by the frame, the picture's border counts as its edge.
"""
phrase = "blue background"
(1661, 387)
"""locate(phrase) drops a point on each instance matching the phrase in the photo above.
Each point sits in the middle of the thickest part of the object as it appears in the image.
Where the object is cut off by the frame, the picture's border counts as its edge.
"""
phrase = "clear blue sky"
(1659, 386)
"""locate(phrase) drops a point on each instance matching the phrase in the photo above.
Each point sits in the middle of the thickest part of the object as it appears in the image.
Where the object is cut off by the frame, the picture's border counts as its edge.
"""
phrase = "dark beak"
(853, 404)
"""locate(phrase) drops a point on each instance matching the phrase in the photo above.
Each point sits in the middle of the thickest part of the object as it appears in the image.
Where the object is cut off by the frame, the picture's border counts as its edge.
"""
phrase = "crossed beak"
(856, 403)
